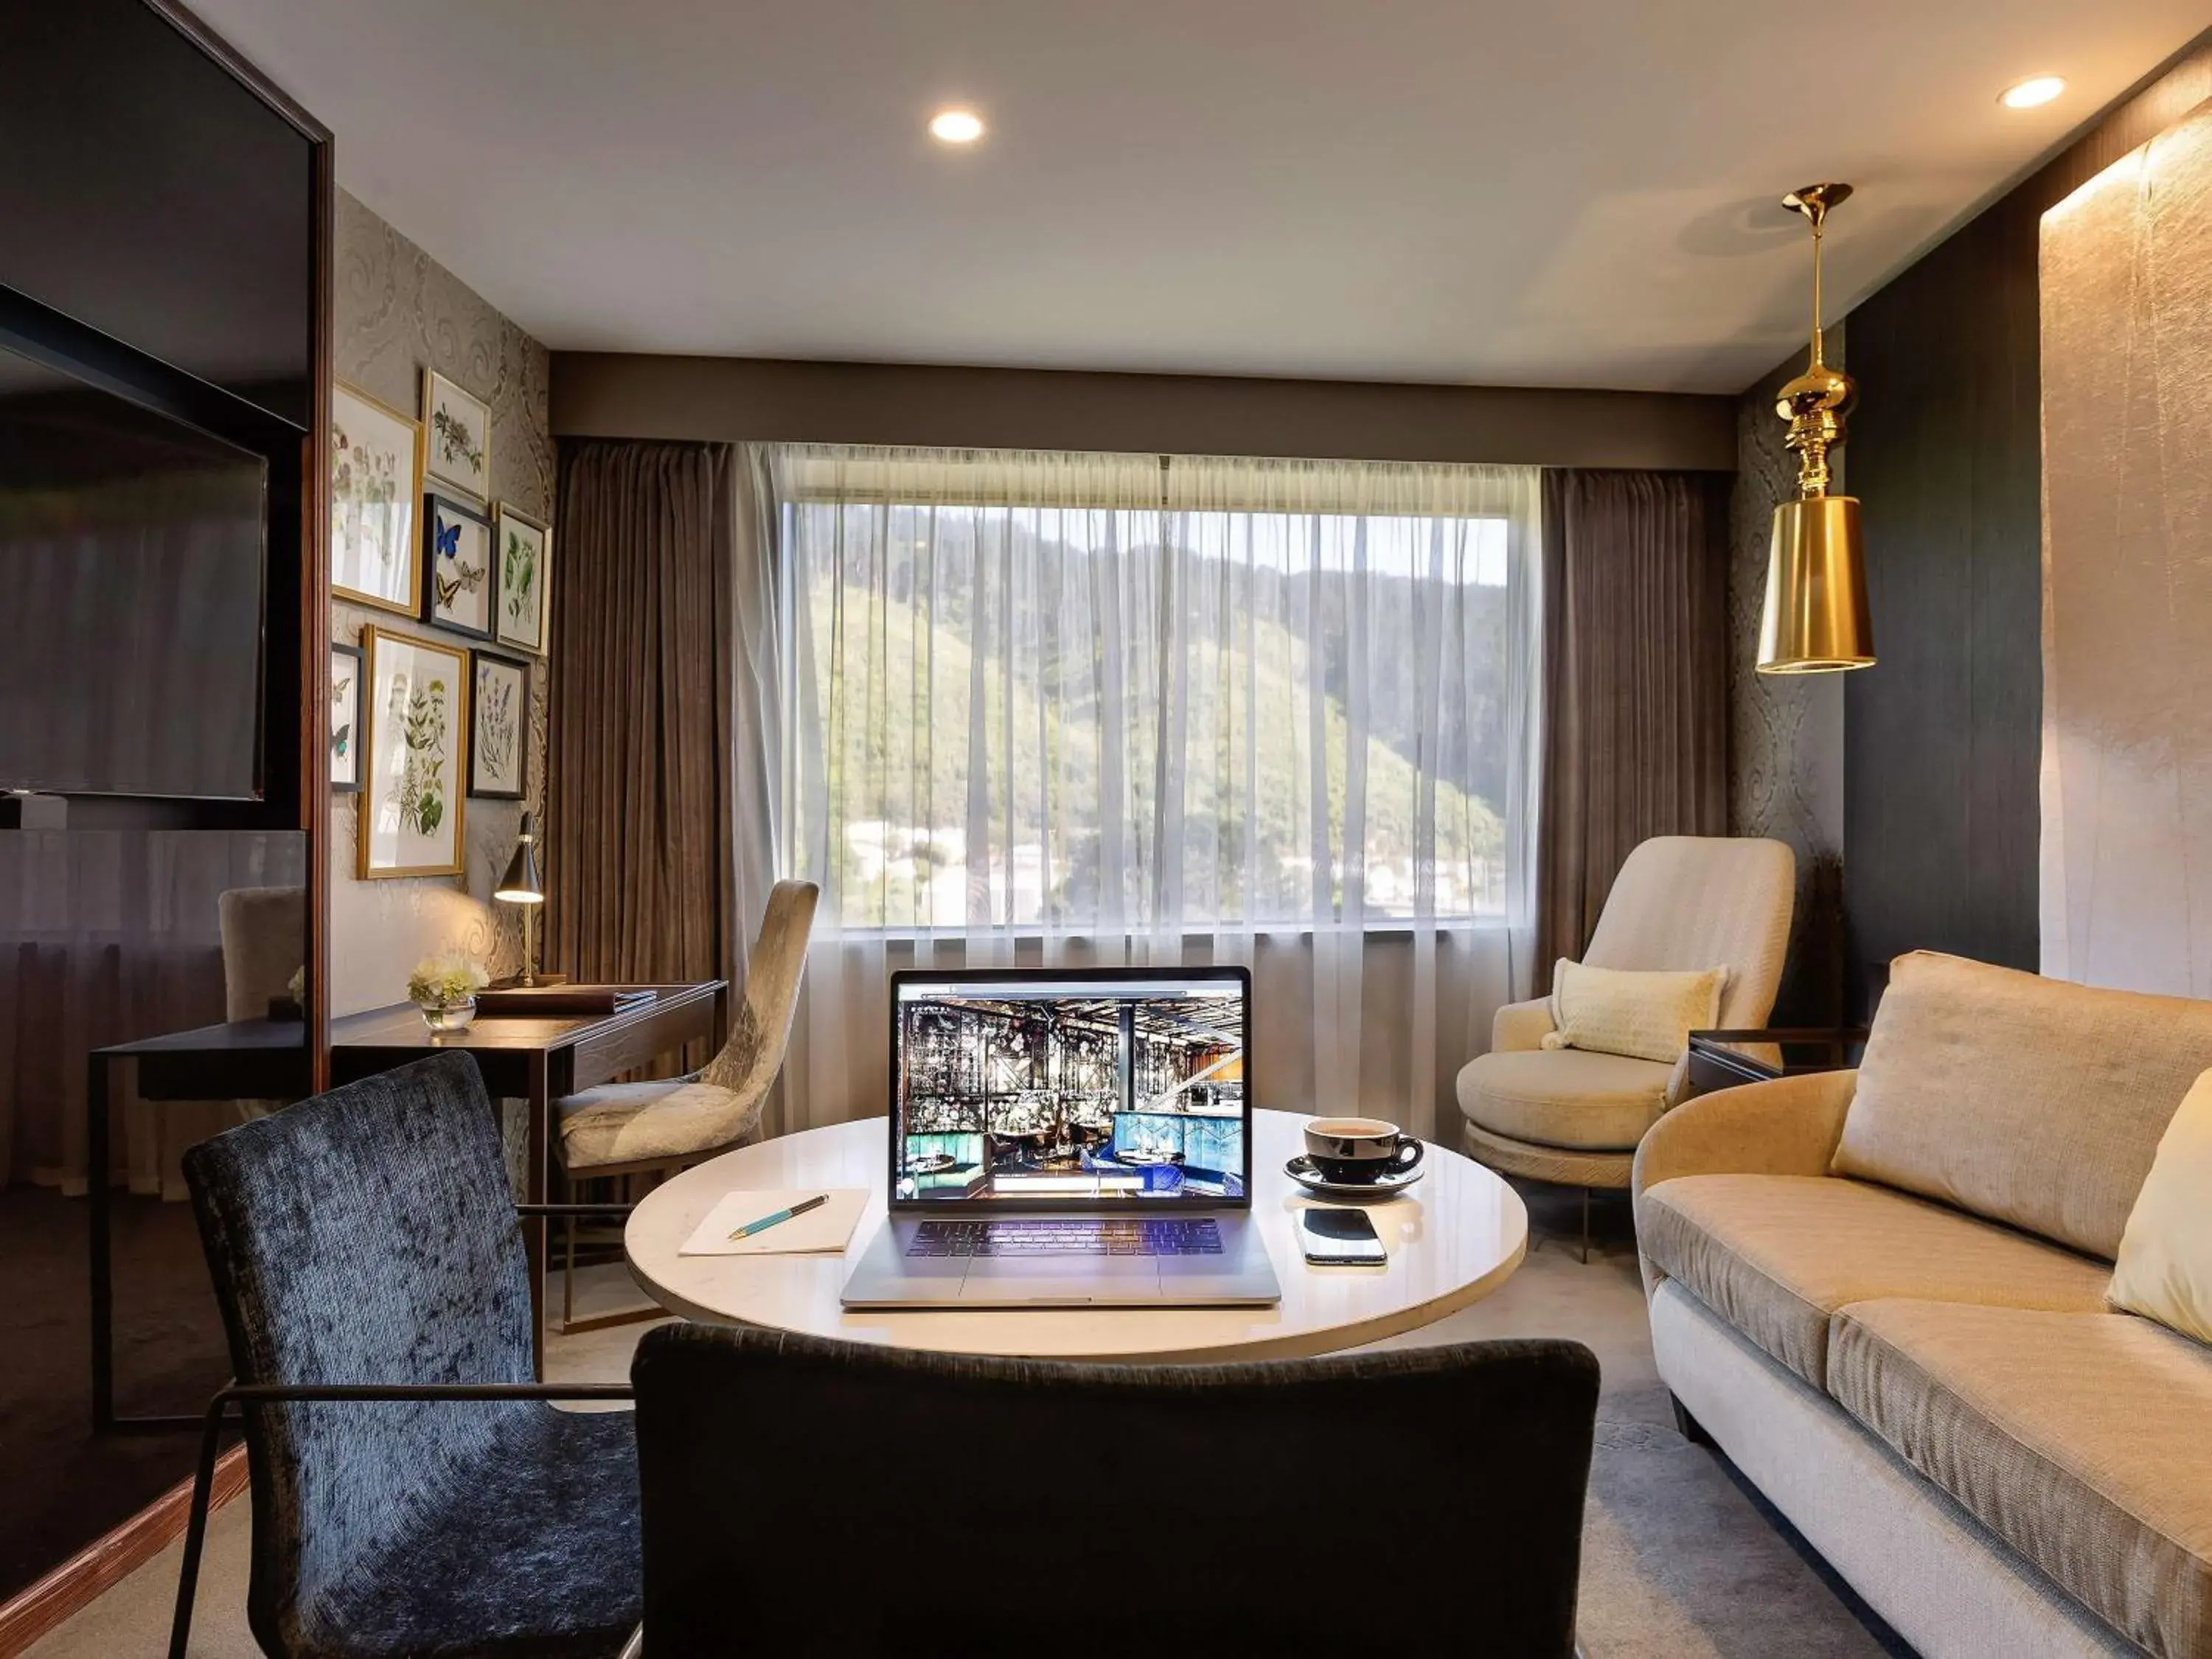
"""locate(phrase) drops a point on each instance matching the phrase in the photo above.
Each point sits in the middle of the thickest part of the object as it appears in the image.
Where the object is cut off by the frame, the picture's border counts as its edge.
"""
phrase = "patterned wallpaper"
(1786, 737)
(397, 310)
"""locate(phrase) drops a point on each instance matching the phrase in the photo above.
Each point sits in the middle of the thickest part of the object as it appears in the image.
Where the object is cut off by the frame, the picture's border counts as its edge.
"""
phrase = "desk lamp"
(522, 885)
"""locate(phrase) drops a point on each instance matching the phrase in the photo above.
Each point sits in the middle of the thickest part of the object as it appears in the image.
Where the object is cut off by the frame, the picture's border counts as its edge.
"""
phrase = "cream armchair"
(1679, 902)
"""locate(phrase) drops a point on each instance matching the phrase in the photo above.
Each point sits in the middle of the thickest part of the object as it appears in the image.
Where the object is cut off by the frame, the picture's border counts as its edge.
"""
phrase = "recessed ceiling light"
(2037, 89)
(955, 126)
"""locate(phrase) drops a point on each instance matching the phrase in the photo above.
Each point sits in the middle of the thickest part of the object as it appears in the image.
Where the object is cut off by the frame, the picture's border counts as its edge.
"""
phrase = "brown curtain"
(638, 822)
(1635, 682)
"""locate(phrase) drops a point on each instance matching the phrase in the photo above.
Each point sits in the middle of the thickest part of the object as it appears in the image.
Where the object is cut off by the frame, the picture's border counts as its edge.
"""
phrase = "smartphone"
(1340, 1238)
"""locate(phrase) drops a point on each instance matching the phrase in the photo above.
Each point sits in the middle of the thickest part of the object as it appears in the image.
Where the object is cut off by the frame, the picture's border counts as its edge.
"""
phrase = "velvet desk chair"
(622, 1129)
(807, 1496)
(414, 1492)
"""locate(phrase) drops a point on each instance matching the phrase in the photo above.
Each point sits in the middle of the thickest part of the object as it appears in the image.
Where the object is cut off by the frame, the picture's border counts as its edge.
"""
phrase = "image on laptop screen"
(1070, 1090)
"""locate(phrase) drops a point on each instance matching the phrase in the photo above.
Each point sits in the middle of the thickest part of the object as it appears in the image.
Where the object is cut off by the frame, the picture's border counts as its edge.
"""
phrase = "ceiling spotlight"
(2036, 90)
(955, 126)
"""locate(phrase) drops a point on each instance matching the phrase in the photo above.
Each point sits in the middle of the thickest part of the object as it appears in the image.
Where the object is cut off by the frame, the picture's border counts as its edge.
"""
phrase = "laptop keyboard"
(1167, 1236)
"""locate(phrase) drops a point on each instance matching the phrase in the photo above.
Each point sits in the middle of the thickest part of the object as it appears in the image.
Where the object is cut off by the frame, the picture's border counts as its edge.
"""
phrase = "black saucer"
(1389, 1185)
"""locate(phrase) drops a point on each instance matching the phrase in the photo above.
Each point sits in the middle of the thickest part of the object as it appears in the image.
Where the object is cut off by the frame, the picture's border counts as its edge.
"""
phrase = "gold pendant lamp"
(1815, 620)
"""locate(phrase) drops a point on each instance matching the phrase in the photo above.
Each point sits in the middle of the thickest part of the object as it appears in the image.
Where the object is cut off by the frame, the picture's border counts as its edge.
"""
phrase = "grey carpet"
(1680, 1561)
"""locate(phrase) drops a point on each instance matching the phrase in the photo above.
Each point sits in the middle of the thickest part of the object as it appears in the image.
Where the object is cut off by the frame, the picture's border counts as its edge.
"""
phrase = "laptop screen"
(1095, 1087)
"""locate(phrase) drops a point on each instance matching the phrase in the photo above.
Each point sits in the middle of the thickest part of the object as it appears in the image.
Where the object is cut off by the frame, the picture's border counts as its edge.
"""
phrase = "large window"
(1077, 694)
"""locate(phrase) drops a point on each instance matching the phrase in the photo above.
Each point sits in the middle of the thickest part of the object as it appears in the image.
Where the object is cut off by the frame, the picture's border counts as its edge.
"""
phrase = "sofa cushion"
(1565, 1098)
(2032, 1101)
(1776, 1255)
(2080, 1439)
(1621, 1010)
(2165, 1269)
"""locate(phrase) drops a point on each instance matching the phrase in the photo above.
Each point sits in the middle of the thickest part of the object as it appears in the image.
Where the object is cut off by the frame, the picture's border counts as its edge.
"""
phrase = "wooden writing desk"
(537, 1060)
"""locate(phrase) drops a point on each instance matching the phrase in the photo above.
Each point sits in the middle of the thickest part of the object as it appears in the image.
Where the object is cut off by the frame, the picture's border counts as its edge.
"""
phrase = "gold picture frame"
(456, 436)
(410, 810)
(529, 628)
(376, 507)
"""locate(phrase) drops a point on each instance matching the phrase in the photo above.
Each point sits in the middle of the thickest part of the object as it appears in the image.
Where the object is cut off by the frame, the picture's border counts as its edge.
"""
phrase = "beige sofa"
(1881, 1293)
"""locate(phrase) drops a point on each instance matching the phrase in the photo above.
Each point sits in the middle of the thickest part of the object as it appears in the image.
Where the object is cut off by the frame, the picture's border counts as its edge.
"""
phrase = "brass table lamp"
(524, 886)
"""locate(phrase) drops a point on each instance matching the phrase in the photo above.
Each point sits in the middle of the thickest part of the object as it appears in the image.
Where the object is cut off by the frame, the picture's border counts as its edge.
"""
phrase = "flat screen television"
(149, 193)
(133, 565)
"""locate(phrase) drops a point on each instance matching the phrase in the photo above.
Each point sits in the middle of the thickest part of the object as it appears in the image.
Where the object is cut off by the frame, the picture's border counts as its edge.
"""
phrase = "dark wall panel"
(1941, 736)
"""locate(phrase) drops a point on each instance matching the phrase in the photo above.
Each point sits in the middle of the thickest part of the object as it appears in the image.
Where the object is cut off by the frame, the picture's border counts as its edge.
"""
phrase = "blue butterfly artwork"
(455, 572)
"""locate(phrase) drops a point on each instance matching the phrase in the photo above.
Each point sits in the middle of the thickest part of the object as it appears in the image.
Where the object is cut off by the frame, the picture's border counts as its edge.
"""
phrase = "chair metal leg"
(1586, 1198)
(625, 1182)
(188, 1575)
(568, 1274)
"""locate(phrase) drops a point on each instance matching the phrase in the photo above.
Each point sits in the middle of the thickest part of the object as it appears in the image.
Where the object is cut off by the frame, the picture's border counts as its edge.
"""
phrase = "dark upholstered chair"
(413, 1492)
(803, 1496)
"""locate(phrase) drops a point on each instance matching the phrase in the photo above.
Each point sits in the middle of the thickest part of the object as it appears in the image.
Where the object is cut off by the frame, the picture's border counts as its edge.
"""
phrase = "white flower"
(439, 980)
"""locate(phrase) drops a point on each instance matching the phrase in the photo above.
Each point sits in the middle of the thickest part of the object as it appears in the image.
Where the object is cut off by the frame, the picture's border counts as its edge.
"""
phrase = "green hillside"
(899, 753)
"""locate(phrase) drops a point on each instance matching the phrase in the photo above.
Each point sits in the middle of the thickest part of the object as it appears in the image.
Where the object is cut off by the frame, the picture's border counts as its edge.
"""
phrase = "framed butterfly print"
(345, 719)
(499, 718)
(457, 579)
(456, 437)
(376, 499)
(526, 575)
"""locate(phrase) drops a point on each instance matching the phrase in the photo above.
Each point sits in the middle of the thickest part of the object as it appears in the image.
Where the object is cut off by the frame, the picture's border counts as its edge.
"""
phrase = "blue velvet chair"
(806, 1496)
(414, 1492)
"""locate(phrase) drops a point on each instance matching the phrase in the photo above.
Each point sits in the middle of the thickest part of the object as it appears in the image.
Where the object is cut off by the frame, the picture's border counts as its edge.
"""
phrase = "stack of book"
(561, 1001)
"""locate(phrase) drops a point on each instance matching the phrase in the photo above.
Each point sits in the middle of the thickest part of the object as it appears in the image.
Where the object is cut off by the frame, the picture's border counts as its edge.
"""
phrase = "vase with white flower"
(445, 989)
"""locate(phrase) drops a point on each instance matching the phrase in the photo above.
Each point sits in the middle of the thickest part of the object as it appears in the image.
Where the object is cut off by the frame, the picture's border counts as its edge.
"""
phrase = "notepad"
(819, 1230)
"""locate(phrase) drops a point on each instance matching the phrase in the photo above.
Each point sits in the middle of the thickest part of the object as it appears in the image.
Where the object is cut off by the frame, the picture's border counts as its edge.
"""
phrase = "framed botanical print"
(456, 567)
(499, 723)
(414, 755)
(456, 437)
(345, 719)
(526, 575)
(376, 498)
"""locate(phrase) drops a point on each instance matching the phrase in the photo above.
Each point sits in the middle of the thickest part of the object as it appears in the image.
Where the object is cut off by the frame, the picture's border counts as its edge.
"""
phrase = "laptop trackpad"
(1061, 1279)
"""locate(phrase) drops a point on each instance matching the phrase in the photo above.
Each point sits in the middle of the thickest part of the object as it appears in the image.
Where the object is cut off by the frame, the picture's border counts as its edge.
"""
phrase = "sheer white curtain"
(1056, 709)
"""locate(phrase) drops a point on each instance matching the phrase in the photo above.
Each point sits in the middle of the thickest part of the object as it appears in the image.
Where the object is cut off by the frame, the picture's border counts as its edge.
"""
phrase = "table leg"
(102, 1211)
(103, 1266)
(538, 1152)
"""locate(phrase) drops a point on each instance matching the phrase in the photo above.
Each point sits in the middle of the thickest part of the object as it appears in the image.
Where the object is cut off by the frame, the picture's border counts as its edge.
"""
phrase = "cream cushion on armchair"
(1571, 1096)
(1681, 903)
(630, 1122)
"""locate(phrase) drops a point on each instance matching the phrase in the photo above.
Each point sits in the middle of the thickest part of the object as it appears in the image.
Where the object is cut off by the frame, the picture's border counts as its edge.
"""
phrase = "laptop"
(1069, 1138)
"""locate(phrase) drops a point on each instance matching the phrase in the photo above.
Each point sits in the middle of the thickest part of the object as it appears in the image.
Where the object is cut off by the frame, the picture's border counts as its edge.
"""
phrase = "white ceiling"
(1564, 192)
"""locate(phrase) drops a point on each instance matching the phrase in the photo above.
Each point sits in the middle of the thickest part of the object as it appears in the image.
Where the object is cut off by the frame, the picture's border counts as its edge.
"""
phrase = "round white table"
(1453, 1236)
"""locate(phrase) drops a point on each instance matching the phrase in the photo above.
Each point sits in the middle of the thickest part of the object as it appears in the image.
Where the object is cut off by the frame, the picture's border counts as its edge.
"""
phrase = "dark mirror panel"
(115, 935)
(165, 949)
(151, 195)
(132, 557)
